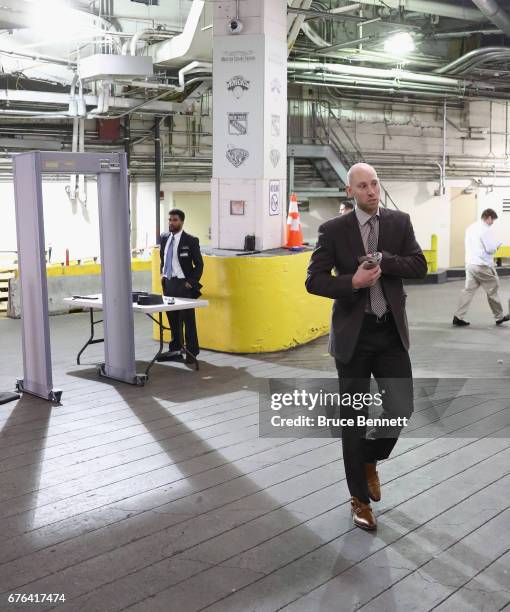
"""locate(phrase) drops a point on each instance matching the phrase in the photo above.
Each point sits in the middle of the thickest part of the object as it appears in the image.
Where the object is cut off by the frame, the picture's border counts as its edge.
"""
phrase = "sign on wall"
(274, 197)
(237, 207)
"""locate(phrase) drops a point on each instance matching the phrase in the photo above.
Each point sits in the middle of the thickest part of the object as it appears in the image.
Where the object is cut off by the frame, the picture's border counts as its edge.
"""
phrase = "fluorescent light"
(400, 44)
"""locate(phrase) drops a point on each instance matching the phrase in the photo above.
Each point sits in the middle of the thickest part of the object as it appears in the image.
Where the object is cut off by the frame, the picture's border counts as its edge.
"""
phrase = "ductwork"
(39, 58)
(394, 81)
(297, 21)
(494, 11)
(130, 43)
(313, 36)
(192, 68)
(362, 72)
(344, 85)
(433, 7)
(475, 58)
(195, 41)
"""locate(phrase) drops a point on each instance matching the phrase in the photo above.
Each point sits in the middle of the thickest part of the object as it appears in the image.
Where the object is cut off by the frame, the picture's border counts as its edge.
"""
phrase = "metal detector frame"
(113, 208)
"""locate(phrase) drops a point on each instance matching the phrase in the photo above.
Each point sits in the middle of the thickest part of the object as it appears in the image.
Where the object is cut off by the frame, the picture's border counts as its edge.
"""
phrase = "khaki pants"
(487, 277)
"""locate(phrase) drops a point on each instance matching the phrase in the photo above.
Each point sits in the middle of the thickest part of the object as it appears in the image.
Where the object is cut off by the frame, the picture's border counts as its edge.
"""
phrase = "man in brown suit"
(369, 333)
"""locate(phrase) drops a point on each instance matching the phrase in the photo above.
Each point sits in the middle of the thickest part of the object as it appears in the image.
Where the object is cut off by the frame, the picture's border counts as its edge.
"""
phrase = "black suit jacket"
(190, 259)
(338, 247)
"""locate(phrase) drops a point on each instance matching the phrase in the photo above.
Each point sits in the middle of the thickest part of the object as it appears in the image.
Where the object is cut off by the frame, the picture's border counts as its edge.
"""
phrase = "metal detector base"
(53, 396)
(138, 379)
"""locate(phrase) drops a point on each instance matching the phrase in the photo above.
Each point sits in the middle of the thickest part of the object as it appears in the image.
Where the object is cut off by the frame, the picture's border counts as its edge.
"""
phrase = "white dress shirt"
(176, 266)
(480, 245)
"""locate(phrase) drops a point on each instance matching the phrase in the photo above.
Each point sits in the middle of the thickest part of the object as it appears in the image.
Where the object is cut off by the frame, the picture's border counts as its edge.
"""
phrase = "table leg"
(161, 329)
(91, 340)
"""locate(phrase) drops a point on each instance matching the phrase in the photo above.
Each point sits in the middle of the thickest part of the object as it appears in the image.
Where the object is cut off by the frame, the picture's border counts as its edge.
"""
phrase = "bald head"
(363, 186)
(359, 168)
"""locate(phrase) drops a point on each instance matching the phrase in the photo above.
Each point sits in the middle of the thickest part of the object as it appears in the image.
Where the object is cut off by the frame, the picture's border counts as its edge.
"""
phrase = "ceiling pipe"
(131, 43)
(407, 89)
(463, 33)
(376, 86)
(312, 14)
(40, 58)
(378, 73)
(146, 84)
(433, 7)
(495, 12)
(473, 58)
(297, 24)
(190, 69)
(33, 114)
(375, 57)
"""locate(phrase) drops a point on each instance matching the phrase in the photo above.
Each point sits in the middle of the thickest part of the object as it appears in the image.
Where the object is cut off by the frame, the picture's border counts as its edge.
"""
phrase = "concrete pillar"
(248, 188)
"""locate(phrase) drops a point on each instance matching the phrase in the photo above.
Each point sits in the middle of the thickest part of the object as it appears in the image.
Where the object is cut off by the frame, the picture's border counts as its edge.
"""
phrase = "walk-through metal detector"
(112, 189)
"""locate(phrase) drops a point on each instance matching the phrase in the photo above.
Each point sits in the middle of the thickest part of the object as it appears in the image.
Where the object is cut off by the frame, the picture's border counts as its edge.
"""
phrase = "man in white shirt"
(480, 269)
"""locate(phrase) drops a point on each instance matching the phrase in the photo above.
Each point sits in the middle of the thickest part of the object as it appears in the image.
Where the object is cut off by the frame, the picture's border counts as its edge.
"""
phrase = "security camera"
(235, 26)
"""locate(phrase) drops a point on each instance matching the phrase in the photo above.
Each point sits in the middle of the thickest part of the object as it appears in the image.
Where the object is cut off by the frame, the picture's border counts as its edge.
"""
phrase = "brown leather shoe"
(374, 486)
(362, 515)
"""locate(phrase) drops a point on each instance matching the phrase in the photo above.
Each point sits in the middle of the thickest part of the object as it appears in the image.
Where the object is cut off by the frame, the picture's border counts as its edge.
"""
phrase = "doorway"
(464, 212)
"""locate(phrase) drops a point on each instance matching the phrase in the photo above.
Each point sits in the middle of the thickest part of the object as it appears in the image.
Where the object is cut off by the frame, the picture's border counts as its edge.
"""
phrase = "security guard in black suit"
(181, 270)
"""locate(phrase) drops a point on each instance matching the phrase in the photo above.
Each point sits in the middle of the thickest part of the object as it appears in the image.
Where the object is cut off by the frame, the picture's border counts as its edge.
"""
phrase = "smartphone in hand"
(370, 261)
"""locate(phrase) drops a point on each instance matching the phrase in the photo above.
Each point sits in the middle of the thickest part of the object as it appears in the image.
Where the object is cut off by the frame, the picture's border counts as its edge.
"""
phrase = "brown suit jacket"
(338, 247)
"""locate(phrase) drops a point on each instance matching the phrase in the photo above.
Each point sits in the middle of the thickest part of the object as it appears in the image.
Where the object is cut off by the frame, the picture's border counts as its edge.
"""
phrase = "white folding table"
(95, 302)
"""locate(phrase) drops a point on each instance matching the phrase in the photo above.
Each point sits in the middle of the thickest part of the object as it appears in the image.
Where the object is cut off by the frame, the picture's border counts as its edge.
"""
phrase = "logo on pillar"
(275, 125)
(238, 85)
(238, 124)
(276, 87)
(274, 156)
(236, 156)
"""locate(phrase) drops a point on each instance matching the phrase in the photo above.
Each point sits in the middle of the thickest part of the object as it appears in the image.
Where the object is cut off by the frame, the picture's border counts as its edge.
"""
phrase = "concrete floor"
(166, 498)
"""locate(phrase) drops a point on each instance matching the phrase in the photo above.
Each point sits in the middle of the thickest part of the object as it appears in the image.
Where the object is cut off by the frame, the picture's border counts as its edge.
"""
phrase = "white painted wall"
(75, 226)
(321, 209)
(430, 214)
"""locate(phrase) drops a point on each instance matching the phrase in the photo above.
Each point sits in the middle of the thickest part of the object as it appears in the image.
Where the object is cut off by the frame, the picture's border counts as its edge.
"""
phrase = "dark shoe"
(374, 486)
(461, 322)
(362, 515)
(503, 320)
(170, 356)
(172, 347)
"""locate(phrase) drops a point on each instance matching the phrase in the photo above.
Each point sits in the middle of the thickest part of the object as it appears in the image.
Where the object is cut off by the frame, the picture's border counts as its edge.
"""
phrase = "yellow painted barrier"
(256, 304)
(431, 254)
(503, 251)
(260, 304)
(76, 269)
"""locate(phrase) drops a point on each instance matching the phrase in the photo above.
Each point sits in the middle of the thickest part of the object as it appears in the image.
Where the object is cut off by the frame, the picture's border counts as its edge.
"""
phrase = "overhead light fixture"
(400, 44)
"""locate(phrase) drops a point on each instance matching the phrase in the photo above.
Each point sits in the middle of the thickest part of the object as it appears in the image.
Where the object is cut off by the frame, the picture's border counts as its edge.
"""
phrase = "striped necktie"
(377, 300)
(167, 270)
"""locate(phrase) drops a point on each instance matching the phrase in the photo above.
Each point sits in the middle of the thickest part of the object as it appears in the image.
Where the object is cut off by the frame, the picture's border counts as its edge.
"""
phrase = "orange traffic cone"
(294, 232)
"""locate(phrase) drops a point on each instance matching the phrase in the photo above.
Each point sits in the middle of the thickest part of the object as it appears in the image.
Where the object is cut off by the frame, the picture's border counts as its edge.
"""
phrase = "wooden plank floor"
(165, 498)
